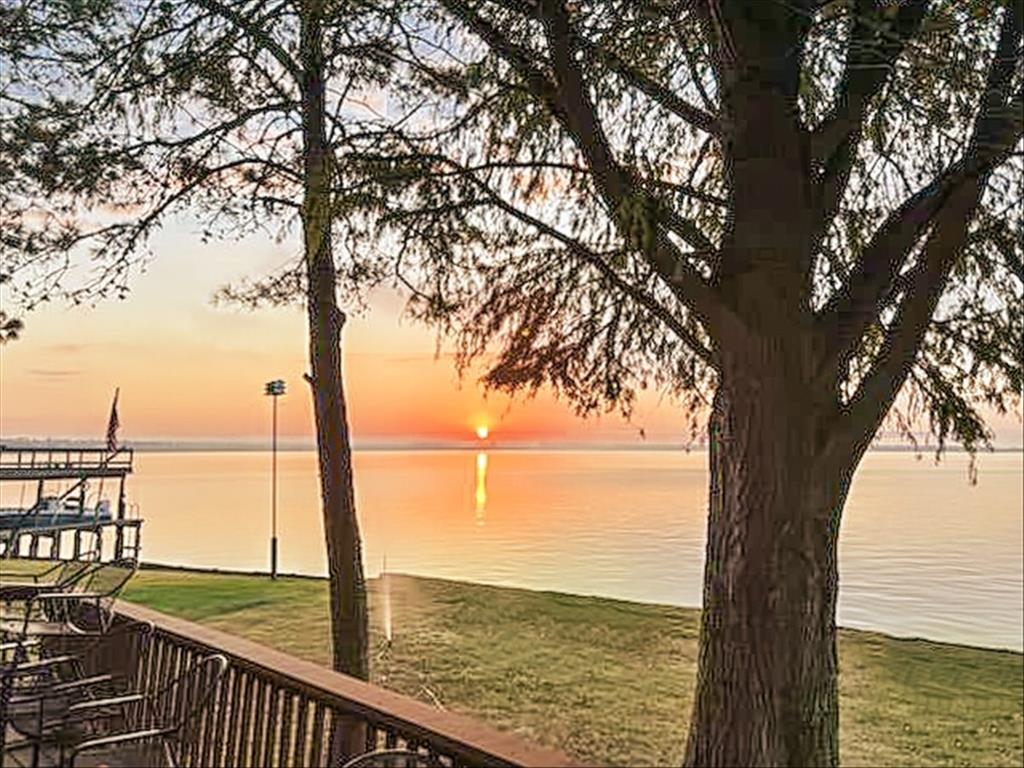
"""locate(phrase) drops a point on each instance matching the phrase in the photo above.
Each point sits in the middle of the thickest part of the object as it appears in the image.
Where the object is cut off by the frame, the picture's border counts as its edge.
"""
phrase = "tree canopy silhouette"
(118, 115)
(806, 214)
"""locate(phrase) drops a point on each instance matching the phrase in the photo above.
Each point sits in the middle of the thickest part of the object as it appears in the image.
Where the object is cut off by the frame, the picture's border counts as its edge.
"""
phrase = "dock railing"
(272, 709)
(24, 463)
(30, 534)
(75, 541)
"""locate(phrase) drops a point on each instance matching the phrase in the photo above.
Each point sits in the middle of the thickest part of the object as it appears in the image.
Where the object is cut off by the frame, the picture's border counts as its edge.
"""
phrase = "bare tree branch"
(245, 25)
(999, 126)
(998, 129)
(663, 95)
(875, 44)
(568, 101)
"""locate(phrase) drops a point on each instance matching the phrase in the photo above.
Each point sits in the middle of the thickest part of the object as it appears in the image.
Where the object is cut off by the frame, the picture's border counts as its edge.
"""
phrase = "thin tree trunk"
(341, 527)
(767, 675)
(348, 589)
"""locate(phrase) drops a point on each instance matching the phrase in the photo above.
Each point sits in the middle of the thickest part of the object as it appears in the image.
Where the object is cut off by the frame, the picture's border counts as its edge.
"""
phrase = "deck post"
(119, 536)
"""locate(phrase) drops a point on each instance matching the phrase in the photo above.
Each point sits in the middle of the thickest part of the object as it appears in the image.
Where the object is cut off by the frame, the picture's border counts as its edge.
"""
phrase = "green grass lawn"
(611, 682)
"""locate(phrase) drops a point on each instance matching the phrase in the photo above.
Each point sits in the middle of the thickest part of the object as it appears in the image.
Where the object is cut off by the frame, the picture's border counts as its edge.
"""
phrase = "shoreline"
(187, 569)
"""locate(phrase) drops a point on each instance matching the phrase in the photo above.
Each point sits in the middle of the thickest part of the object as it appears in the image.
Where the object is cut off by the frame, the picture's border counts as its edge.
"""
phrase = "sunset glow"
(189, 369)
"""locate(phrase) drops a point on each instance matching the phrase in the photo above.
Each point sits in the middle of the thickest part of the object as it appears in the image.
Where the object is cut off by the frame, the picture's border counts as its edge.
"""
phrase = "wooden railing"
(272, 709)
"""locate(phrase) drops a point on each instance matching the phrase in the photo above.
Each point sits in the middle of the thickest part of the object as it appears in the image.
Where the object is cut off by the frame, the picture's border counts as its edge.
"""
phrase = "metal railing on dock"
(63, 463)
(74, 541)
(272, 709)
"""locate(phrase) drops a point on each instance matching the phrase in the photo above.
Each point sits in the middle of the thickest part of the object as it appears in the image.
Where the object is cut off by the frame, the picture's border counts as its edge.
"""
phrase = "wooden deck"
(271, 708)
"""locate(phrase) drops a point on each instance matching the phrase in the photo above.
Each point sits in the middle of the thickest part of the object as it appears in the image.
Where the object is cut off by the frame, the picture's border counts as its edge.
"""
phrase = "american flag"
(113, 424)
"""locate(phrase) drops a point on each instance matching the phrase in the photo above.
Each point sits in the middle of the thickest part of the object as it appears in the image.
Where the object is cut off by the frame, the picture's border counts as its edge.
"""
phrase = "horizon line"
(294, 445)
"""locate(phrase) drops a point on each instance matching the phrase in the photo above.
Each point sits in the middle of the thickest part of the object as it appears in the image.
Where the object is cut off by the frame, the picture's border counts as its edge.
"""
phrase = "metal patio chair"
(57, 578)
(158, 727)
(43, 689)
(82, 607)
(140, 729)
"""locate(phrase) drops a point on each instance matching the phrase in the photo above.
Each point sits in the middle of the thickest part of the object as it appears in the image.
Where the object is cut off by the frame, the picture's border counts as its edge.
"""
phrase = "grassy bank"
(609, 681)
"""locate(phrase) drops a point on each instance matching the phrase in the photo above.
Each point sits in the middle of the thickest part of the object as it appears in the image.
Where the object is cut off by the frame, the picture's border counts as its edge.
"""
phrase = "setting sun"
(482, 431)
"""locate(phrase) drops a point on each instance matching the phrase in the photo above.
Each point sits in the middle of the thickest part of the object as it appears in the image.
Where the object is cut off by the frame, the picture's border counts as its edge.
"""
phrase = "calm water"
(923, 553)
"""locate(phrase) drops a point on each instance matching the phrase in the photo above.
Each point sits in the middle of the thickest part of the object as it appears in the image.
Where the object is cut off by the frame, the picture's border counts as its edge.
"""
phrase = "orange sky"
(189, 370)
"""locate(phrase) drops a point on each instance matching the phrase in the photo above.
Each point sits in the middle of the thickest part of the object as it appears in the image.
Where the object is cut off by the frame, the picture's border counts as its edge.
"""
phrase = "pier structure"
(58, 521)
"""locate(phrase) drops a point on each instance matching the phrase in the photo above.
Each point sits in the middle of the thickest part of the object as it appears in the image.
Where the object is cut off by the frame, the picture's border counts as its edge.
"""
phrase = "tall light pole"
(274, 389)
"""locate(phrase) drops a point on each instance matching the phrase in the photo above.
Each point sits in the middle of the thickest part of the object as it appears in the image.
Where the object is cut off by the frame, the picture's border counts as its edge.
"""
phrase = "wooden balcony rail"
(272, 709)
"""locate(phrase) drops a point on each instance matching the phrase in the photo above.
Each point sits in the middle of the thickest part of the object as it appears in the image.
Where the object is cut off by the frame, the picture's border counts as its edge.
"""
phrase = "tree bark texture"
(767, 674)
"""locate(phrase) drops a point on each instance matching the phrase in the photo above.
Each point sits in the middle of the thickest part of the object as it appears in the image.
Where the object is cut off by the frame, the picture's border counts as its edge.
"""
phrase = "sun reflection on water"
(481, 488)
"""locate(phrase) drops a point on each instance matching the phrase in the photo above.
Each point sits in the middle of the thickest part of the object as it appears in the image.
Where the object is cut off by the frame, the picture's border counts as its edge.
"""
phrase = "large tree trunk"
(766, 686)
(341, 527)
(767, 671)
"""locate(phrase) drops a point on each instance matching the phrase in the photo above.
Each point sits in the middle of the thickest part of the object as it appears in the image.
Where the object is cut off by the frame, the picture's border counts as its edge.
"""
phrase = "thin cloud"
(54, 373)
(66, 349)
(403, 358)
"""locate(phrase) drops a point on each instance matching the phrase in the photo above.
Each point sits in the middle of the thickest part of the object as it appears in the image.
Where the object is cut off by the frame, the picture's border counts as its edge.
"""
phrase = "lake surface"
(922, 552)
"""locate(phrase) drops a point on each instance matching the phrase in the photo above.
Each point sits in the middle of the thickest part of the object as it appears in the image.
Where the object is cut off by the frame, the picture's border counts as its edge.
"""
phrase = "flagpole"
(112, 424)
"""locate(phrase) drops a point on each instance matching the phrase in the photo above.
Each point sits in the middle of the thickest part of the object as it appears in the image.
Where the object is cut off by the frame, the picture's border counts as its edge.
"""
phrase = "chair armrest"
(85, 706)
(18, 580)
(84, 682)
(121, 738)
(31, 642)
(43, 692)
(368, 759)
(34, 666)
(66, 596)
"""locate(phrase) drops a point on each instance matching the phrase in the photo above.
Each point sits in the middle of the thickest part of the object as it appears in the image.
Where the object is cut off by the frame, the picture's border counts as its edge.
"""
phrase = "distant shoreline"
(147, 446)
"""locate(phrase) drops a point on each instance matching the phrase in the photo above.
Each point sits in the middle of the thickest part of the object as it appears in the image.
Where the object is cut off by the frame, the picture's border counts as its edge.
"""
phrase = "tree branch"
(874, 46)
(999, 126)
(997, 130)
(877, 391)
(579, 116)
(244, 25)
(664, 96)
(594, 259)
(569, 103)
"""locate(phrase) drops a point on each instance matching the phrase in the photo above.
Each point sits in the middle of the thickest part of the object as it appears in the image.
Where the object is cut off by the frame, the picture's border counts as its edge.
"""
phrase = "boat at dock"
(53, 511)
(67, 514)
